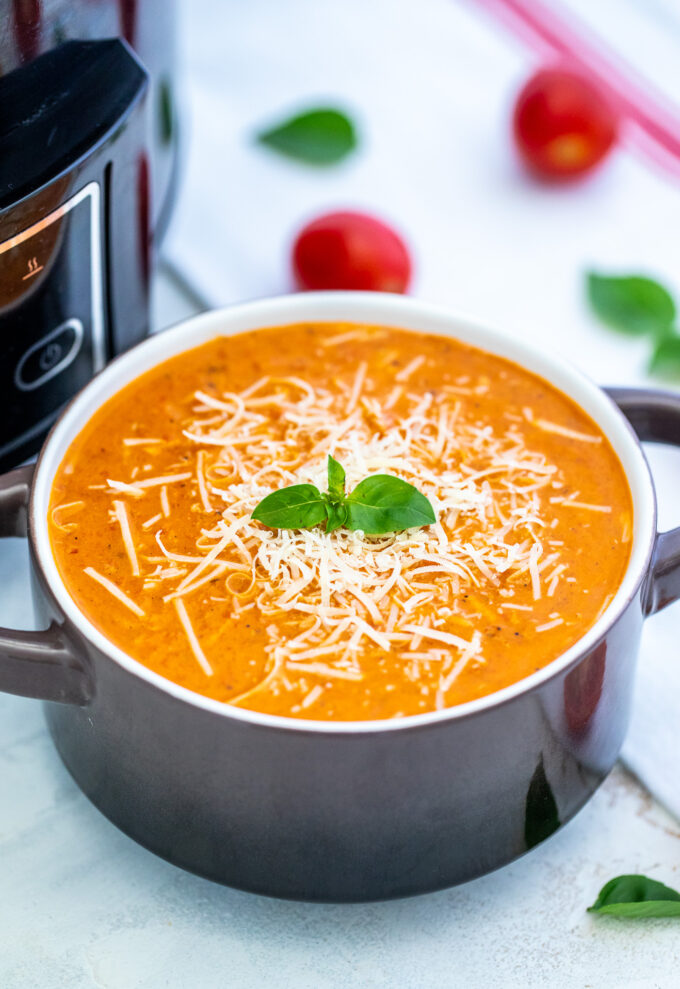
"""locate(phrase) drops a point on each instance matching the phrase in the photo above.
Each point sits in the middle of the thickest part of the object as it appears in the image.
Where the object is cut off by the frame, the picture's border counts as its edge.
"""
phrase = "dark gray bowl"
(338, 811)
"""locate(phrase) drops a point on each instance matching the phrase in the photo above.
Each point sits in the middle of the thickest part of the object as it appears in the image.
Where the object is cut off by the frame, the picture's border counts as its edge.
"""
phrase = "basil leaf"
(637, 896)
(336, 477)
(297, 507)
(322, 136)
(540, 810)
(666, 358)
(336, 516)
(633, 304)
(383, 503)
(378, 504)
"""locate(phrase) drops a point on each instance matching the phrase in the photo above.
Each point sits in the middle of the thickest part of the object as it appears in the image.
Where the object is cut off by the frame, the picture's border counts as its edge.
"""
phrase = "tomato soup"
(151, 522)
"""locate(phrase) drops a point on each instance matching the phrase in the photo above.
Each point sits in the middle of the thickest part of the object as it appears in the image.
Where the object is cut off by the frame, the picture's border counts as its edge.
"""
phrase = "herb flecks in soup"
(152, 527)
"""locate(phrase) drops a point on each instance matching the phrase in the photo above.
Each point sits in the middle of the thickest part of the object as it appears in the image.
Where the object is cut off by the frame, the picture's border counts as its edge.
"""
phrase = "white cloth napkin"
(431, 84)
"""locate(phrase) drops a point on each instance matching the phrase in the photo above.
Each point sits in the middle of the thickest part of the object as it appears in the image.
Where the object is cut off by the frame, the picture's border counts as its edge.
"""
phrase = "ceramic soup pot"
(338, 811)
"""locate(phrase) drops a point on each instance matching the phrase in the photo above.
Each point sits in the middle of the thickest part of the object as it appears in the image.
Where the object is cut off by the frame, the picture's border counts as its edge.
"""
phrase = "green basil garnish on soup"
(378, 505)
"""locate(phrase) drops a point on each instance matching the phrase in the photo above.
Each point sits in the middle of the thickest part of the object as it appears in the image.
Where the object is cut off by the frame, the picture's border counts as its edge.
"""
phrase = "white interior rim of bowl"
(367, 308)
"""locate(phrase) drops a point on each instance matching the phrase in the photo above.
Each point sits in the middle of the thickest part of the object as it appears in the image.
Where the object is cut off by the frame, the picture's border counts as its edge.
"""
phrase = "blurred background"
(431, 87)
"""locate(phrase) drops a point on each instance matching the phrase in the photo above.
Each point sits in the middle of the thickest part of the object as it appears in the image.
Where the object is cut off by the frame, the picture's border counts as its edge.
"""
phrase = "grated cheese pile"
(411, 595)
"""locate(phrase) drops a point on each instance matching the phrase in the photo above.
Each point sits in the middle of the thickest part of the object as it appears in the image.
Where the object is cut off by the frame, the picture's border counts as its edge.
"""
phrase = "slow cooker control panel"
(75, 234)
(52, 332)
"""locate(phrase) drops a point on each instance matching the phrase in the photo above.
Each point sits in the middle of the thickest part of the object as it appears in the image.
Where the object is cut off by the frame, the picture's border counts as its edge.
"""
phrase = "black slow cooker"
(88, 151)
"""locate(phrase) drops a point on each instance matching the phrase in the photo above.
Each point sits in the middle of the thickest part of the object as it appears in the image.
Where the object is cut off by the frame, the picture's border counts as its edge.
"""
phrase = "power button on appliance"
(49, 356)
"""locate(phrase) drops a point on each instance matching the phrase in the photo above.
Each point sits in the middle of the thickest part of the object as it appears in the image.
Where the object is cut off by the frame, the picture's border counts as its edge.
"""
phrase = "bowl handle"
(655, 417)
(45, 664)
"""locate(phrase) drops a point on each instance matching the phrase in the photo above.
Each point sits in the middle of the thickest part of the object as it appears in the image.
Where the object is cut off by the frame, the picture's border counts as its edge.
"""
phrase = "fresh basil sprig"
(639, 306)
(323, 136)
(378, 505)
(637, 896)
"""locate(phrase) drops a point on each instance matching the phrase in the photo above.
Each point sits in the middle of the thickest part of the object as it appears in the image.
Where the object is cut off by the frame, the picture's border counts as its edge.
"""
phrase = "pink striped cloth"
(651, 124)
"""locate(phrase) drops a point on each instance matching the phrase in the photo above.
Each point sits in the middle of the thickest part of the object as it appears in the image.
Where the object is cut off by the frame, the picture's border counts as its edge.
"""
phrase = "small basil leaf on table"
(666, 358)
(336, 516)
(322, 136)
(637, 896)
(383, 503)
(297, 507)
(632, 303)
(336, 477)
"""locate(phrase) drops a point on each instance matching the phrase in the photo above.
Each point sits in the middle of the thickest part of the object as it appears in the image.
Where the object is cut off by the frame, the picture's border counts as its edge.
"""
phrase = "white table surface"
(81, 905)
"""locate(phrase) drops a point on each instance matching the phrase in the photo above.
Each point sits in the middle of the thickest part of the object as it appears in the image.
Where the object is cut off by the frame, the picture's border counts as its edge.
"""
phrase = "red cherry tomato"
(350, 251)
(563, 124)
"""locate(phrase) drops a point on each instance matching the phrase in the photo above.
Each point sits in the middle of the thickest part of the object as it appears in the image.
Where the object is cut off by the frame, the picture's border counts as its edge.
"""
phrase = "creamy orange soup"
(151, 528)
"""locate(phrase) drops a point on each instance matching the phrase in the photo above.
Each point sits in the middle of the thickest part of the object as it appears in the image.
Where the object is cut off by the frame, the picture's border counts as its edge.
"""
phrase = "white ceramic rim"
(367, 308)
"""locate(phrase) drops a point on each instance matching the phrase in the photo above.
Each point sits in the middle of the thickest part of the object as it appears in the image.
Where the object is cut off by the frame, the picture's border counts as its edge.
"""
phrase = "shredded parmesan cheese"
(312, 696)
(420, 599)
(365, 594)
(410, 368)
(587, 507)
(124, 522)
(572, 434)
(356, 387)
(202, 486)
(180, 607)
(116, 591)
(548, 625)
(165, 503)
